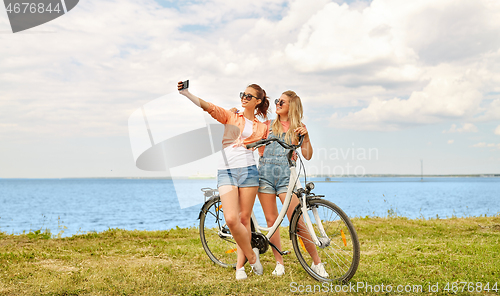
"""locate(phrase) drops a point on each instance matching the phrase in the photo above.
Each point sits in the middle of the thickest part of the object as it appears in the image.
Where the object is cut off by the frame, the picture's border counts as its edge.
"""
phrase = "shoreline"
(48, 234)
(317, 176)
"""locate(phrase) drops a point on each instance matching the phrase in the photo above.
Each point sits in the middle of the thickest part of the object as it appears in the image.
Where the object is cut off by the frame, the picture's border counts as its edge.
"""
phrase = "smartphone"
(185, 85)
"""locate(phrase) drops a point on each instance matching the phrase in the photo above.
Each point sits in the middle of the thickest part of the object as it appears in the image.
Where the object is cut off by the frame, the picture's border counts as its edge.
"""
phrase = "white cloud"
(372, 58)
(400, 45)
(452, 30)
(338, 38)
(442, 98)
(386, 65)
(483, 145)
(391, 32)
(466, 128)
(450, 141)
(497, 130)
(491, 112)
(7, 125)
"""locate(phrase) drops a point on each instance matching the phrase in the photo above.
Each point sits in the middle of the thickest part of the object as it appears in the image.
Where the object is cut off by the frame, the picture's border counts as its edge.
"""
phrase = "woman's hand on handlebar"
(257, 144)
(305, 145)
(301, 131)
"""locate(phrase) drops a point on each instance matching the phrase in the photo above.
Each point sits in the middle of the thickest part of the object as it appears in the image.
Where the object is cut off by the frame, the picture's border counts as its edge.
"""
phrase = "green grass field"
(406, 254)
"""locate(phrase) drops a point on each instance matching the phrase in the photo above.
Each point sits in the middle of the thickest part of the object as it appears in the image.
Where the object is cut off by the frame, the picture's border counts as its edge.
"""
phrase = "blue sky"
(411, 80)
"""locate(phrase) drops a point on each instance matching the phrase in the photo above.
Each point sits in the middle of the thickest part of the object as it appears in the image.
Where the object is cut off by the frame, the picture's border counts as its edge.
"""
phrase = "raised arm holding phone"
(237, 175)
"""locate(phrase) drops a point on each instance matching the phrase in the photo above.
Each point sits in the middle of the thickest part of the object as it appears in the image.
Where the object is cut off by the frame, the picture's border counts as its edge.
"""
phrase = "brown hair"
(264, 104)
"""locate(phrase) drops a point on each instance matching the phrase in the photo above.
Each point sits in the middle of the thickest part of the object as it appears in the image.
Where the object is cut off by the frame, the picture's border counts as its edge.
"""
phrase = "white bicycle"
(314, 221)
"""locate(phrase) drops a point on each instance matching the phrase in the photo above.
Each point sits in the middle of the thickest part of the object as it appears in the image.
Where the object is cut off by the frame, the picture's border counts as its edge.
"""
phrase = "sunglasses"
(279, 102)
(246, 97)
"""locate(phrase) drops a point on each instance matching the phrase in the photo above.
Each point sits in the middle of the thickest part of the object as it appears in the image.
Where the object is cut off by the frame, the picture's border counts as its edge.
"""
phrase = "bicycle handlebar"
(282, 143)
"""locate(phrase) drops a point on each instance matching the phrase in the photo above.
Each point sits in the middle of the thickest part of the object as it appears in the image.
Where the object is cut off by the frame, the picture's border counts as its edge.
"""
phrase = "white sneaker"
(257, 267)
(320, 269)
(241, 274)
(279, 270)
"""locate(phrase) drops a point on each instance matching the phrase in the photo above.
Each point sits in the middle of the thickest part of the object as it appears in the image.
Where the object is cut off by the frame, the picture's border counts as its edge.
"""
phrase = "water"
(83, 205)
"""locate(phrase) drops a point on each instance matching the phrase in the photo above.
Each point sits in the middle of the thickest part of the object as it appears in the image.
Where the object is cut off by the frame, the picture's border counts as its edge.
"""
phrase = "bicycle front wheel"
(339, 250)
(215, 236)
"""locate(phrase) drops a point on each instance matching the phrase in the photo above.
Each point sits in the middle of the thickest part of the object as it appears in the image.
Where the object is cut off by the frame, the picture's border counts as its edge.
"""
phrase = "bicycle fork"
(322, 241)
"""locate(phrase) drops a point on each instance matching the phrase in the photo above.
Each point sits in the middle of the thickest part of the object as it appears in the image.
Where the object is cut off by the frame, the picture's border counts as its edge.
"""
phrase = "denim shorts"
(274, 177)
(239, 177)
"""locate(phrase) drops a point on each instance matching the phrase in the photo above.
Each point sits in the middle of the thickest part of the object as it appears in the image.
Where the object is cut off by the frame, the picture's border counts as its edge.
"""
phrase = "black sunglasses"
(279, 102)
(246, 97)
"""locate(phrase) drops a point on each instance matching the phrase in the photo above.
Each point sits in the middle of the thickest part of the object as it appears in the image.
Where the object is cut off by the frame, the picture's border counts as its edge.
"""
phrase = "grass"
(395, 251)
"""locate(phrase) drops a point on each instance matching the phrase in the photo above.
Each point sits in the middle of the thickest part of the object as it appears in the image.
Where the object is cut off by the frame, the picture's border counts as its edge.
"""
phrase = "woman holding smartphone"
(274, 171)
(237, 175)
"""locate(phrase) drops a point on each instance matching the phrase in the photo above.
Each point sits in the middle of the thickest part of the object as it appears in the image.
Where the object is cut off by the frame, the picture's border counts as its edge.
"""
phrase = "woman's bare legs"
(234, 201)
(268, 203)
(310, 246)
(247, 200)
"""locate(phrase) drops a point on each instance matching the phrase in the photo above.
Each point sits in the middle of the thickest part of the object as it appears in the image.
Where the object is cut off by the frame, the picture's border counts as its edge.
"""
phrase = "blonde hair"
(295, 114)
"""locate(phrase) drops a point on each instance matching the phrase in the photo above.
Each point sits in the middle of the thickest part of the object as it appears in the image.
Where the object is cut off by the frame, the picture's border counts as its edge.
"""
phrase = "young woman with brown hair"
(237, 176)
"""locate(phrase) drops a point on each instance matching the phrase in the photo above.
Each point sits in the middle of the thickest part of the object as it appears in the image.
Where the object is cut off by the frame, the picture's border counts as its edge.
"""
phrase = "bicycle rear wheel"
(339, 253)
(215, 236)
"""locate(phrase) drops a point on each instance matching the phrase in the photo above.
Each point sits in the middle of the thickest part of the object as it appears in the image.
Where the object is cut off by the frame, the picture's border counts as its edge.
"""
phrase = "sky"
(385, 84)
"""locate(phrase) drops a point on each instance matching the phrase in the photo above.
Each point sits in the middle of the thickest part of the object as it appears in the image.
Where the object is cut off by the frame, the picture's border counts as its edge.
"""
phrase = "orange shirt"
(237, 121)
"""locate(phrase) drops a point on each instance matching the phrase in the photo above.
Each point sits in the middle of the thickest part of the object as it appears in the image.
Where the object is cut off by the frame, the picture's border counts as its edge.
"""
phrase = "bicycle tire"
(341, 256)
(215, 236)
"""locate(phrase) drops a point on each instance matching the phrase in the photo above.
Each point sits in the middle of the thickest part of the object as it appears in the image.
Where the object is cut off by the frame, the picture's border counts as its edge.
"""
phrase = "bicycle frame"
(316, 225)
(294, 184)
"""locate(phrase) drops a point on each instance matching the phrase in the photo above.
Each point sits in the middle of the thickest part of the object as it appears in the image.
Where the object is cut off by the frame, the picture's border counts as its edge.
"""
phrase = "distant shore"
(311, 176)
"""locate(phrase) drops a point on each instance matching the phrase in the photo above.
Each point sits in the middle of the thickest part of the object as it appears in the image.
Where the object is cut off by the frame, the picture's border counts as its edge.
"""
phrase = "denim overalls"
(274, 171)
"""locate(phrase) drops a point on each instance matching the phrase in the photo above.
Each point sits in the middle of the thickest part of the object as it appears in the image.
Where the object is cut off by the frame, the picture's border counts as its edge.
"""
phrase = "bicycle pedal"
(286, 252)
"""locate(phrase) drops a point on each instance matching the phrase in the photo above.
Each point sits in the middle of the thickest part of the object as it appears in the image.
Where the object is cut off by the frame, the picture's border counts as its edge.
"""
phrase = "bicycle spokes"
(215, 236)
(336, 257)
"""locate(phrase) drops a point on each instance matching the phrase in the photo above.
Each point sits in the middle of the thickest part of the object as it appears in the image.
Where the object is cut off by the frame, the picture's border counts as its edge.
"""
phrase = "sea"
(68, 207)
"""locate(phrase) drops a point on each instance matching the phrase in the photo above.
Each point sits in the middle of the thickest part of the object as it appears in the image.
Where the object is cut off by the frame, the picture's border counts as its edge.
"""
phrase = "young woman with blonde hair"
(274, 172)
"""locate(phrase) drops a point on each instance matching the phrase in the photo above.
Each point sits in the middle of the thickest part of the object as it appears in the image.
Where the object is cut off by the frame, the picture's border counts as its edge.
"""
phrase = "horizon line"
(316, 176)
